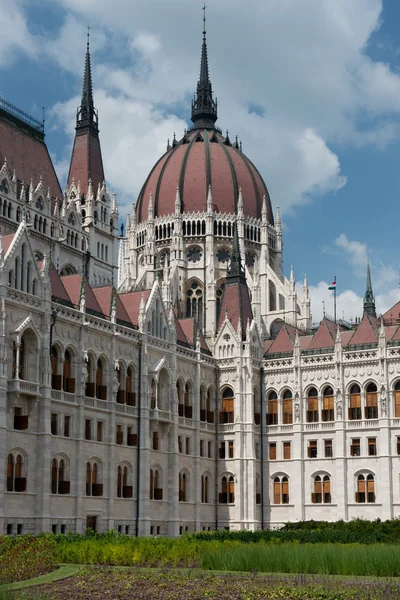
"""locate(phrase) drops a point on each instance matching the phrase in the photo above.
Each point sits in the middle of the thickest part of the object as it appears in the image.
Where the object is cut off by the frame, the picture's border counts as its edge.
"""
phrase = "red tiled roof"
(323, 338)
(190, 328)
(391, 331)
(7, 241)
(305, 341)
(365, 332)
(58, 290)
(393, 314)
(27, 155)
(131, 303)
(236, 304)
(103, 296)
(267, 345)
(86, 162)
(180, 336)
(72, 284)
(193, 166)
(396, 335)
(282, 343)
(345, 337)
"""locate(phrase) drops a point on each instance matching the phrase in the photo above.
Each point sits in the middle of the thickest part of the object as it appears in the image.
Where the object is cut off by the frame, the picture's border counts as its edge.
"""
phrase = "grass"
(377, 560)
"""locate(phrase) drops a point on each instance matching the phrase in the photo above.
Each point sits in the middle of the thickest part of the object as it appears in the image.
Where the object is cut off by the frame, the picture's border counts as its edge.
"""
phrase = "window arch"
(56, 379)
(355, 403)
(287, 407)
(130, 386)
(156, 491)
(183, 486)
(93, 478)
(203, 410)
(16, 478)
(397, 399)
(194, 302)
(227, 415)
(321, 490)
(90, 385)
(365, 489)
(328, 410)
(101, 389)
(205, 488)
(187, 399)
(59, 480)
(371, 401)
(227, 494)
(312, 406)
(281, 490)
(272, 408)
(124, 487)
(68, 379)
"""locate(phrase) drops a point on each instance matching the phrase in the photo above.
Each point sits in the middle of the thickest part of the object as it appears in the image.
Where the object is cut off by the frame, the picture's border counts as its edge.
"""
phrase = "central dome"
(201, 159)
(204, 159)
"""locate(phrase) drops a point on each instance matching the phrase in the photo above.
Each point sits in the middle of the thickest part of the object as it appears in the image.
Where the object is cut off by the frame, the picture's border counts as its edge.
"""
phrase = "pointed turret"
(204, 107)
(235, 269)
(369, 299)
(86, 160)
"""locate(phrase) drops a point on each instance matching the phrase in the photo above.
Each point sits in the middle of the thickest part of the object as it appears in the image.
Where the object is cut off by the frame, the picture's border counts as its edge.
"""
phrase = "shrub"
(23, 557)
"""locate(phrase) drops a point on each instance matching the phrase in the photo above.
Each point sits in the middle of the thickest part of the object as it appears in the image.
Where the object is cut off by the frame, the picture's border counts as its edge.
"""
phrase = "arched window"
(219, 295)
(355, 403)
(312, 406)
(397, 399)
(183, 488)
(123, 489)
(93, 485)
(194, 303)
(188, 401)
(156, 492)
(101, 389)
(227, 494)
(209, 406)
(322, 490)
(227, 415)
(281, 490)
(4, 208)
(272, 409)
(371, 402)
(18, 214)
(203, 410)
(16, 480)
(287, 407)
(55, 377)
(59, 484)
(205, 491)
(68, 380)
(365, 489)
(129, 386)
(90, 385)
(26, 357)
(328, 411)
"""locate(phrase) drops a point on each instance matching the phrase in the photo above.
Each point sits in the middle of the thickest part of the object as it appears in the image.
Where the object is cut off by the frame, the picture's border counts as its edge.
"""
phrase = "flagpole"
(334, 301)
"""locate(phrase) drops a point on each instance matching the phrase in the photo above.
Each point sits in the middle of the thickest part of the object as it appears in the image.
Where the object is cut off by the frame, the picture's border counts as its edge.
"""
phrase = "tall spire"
(369, 299)
(86, 115)
(235, 269)
(204, 107)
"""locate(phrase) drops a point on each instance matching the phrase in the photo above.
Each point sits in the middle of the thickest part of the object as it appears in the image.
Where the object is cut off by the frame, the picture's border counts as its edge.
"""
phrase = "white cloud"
(303, 63)
(15, 36)
(356, 252)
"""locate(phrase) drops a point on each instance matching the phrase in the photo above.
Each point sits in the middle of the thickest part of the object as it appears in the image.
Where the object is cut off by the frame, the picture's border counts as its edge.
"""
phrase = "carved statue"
(297, 412)
(383, 402)
(85, 373)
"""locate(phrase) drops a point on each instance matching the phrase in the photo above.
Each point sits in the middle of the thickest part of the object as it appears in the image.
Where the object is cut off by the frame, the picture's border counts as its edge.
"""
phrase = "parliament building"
(167, 377)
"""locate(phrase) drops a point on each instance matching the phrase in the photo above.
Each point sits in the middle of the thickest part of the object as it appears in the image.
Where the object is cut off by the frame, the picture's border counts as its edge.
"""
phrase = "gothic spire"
(235, 269)
(369, 299)
(87, 114)
(204, 107)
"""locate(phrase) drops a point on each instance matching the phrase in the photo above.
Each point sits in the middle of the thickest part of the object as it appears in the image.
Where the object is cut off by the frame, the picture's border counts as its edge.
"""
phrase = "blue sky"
(312, 87)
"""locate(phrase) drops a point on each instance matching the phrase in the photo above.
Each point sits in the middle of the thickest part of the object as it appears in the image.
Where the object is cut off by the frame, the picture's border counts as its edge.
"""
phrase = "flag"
(333, 285)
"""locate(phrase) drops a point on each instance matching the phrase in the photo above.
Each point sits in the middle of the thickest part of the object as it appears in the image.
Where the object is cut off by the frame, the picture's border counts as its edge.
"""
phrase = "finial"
(323, 308)
(88, 39)
(174, 141)
(264, 209)
(369, 300)
(237, 143)
(168, 145)
(204, 21)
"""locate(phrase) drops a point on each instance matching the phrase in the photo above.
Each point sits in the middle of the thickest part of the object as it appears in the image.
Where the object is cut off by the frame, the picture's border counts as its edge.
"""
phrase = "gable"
(323, 338)
(282, 343)
(365, 332)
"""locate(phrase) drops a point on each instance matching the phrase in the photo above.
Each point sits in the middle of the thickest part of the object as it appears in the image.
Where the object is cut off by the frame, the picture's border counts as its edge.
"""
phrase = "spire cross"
(88, 37)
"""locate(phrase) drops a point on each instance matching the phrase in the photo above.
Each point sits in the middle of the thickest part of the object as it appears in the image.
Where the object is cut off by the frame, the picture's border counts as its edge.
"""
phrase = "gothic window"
(312, 406)
(228, 406)
(156, 491)
(397, 399)
(18, 214)
(287, 408)
(223, 255)
(205, 492)
(15, 471)
(281, 490)
(194, 254)
(39, 203)
(365, 489)
(250, 260)
(328, 411)
(272, 409)
(194, 303)
(93, 485)
(183, 487)
(59, 485)
(68, 380)
(227, 494)
(371, 402)
(71, 219)
(355, 403)
(4, 187)
(321, 490)
(123, 489)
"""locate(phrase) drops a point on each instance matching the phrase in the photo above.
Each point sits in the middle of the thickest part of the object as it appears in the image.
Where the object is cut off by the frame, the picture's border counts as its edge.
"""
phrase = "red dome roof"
(202, 158)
